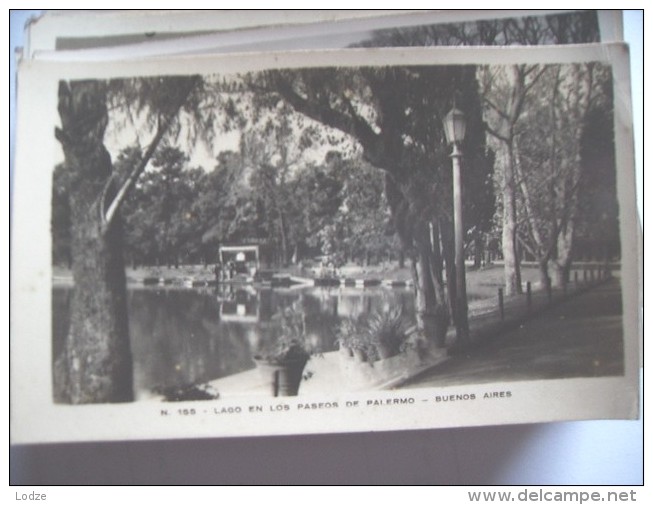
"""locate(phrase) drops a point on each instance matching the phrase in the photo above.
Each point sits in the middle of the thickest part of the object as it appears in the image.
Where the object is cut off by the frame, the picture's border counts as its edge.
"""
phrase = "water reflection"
(182, 337)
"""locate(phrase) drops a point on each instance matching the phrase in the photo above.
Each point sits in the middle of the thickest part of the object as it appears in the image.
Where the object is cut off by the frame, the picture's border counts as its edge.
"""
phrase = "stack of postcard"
(251, 223)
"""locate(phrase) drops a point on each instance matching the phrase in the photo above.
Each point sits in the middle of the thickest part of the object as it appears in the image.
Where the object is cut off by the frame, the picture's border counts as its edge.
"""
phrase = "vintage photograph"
(323, 231)
(356, 216)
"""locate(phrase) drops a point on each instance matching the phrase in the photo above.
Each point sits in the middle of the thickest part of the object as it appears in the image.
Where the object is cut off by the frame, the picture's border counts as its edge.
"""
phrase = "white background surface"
(589, 452)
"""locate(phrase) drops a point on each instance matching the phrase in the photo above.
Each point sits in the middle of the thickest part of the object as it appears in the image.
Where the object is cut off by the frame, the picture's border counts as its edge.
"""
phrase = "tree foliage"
(562, 28)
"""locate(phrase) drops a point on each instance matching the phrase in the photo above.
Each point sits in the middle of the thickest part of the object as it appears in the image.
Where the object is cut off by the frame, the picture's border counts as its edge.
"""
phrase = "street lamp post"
(454, 130)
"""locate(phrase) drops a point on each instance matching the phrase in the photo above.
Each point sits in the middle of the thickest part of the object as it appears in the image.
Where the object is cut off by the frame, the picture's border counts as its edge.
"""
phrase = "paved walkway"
(579, 337)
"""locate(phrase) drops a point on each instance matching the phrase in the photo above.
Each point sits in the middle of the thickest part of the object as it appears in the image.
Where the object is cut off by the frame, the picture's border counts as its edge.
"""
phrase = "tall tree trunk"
(478, 251)
(430, 303)
(543, 269)
(295, 255)
(97, 352)
(96, 363)
(512, 271)
(284, 241)
(426, 309)
(421, 295)
(402, 258)
(441, 306)
(561, 266)
(501, 122)
(448, 250)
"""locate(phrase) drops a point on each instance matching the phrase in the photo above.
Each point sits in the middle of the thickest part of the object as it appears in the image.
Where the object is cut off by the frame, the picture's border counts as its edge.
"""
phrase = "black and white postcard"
(323, 241)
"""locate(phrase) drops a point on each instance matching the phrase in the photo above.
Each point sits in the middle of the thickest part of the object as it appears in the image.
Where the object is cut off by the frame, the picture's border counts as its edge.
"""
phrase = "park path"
(578, 337)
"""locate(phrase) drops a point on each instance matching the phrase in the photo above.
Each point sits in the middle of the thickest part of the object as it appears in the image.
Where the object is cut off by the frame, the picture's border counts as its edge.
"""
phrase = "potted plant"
(284, 359)
(380, 335)
(388, 332)
(353, 338)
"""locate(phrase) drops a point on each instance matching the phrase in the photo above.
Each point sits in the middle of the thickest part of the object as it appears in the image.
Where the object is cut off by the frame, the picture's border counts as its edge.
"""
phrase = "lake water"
(181, 337)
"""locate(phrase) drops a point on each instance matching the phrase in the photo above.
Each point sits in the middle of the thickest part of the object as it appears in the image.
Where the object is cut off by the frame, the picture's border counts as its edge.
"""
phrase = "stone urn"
(284, 376)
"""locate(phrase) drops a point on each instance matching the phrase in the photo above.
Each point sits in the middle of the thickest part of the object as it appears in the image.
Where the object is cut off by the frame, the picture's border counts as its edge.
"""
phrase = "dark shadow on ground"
(581, 337)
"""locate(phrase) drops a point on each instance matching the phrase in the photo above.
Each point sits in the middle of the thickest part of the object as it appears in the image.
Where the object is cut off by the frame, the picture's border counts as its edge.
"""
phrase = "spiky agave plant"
(388, 332)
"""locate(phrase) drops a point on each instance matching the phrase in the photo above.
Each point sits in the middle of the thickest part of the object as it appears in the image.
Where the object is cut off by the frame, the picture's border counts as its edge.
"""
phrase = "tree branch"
(526, 245)
(495, 133)
(361, 126)
(527, 87)
(353, 125)
(162, 128)
(496, 108)
(133, 176)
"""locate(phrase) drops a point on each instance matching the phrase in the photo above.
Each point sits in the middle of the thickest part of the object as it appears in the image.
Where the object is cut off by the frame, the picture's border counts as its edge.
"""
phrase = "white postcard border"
(34, 416)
